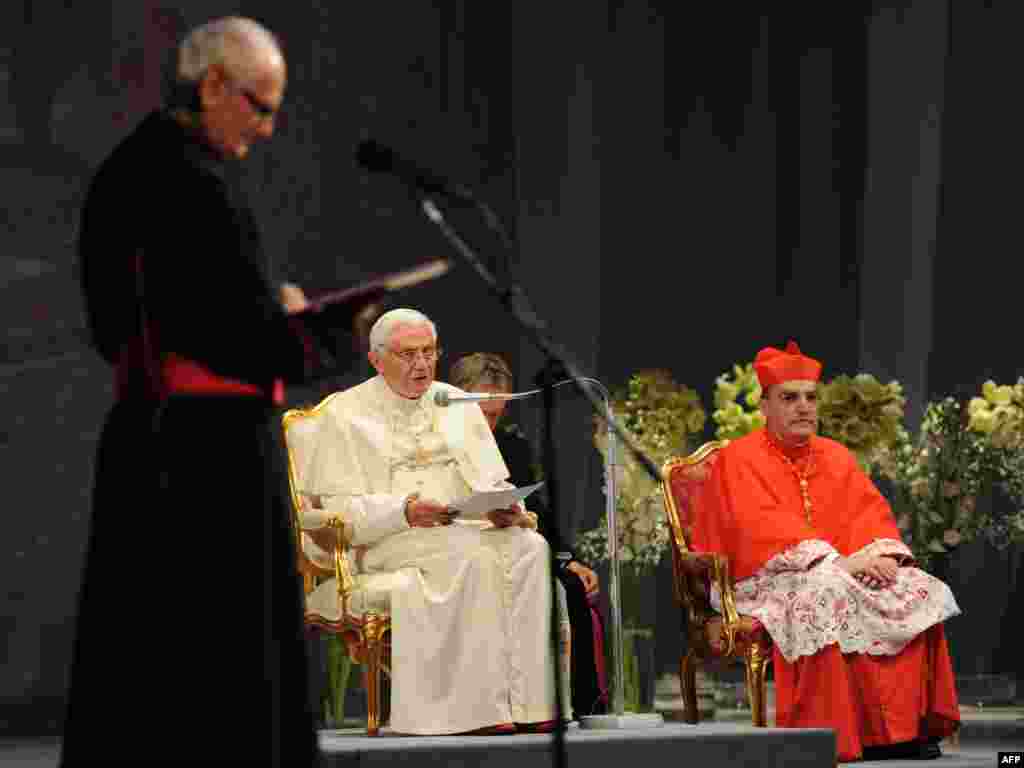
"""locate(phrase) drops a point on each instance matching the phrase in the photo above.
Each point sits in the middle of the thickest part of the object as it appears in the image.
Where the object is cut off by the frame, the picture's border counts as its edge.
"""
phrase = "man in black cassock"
(189, 636)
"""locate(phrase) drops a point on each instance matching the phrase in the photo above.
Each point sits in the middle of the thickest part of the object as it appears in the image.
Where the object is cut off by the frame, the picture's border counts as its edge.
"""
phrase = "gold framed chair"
(360, 613)
(712, 637)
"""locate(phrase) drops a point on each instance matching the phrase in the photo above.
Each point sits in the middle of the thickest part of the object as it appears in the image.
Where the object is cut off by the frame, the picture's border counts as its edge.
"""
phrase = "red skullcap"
(775, 366)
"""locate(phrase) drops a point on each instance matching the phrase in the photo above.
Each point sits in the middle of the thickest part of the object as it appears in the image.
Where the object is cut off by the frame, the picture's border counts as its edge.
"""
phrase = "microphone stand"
(611, 508)
(558, 361)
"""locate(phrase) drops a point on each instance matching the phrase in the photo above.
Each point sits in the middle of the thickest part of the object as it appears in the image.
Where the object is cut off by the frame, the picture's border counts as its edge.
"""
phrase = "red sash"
(141, 372)
(179, 376)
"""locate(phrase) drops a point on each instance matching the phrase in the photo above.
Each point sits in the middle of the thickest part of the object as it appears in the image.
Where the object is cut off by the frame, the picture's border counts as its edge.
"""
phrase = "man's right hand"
(427, 513)
(873, 572)
(293, 298)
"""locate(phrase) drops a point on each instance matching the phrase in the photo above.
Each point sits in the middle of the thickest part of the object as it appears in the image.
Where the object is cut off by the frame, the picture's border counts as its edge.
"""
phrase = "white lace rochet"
(807, 602)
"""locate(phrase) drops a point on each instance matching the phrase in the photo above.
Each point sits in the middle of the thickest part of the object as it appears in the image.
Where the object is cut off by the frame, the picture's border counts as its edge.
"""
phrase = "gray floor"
(968, 755)
(673, 744)
(983, 735)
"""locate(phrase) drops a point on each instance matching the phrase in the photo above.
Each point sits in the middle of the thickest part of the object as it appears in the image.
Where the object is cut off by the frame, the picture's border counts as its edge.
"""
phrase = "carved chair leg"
(756, 660)
(688, 687)
(373, 630)
(385, 689)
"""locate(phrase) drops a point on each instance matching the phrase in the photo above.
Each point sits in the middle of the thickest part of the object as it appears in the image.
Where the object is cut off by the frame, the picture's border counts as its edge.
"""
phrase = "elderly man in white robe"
(471, 617)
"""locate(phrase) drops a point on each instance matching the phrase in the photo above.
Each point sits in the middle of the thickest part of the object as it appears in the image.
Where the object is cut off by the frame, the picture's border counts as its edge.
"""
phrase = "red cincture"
(181, 376)
(139, 372)
(184, 376)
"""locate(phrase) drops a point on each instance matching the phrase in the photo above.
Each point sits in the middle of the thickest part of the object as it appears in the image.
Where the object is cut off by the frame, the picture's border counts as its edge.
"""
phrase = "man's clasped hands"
(873, 571)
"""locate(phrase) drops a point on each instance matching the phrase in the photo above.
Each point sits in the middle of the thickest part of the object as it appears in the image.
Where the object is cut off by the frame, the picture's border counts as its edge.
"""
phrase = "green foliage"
(737, 403)
(861, 413)
(339, 669)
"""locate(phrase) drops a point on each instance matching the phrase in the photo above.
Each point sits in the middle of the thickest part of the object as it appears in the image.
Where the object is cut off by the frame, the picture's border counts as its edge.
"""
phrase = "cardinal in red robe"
(858, 641)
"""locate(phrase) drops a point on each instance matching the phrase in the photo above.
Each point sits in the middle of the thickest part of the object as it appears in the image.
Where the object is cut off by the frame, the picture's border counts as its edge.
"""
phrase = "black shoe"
(929, 750)
(904, 750)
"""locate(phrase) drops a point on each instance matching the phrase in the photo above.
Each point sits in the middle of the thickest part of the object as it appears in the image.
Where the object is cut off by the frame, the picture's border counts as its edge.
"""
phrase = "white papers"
(477, 505)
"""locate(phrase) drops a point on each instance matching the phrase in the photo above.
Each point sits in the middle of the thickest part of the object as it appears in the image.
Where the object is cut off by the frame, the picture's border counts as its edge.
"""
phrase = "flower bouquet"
(862, 414)
(963, 451)
(662, 416)
(737, 403)
(999, 414)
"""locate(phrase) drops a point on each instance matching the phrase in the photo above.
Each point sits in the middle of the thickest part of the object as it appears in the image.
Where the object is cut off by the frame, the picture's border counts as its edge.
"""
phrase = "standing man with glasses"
(228, 86)
(189, 614)
(471, 601)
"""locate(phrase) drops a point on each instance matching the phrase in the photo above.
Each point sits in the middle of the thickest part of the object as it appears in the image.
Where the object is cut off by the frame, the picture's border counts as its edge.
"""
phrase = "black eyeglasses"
(262, 111)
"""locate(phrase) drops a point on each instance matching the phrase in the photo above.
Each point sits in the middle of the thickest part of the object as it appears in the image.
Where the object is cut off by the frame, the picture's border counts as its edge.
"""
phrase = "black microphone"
(378, 158)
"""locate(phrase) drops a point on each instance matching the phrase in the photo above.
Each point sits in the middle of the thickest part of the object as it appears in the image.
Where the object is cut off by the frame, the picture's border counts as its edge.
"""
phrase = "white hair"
(223, 41)
(380, 334)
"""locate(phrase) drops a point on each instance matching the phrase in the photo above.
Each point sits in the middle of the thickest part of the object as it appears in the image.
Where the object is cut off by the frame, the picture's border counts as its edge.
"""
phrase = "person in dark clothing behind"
(189, 634)
(489, 373)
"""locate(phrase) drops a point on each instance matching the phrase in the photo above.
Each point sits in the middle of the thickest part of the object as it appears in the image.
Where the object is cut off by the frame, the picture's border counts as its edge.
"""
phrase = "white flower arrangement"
(963, 451)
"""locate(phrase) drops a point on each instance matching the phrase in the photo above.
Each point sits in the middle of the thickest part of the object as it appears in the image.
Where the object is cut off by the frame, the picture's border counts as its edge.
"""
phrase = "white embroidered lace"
(807, 608)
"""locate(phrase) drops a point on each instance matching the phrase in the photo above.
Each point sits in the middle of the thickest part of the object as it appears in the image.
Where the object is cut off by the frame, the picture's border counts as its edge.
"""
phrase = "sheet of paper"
(477, 505)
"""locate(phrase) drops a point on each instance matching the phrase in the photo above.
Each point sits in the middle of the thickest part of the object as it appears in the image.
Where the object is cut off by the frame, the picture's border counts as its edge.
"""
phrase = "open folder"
(376, 289)
(477, 505)
(332, 317)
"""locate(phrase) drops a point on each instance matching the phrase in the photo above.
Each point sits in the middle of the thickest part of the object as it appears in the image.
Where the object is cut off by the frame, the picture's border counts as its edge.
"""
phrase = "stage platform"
(708, 744)
(984, 733)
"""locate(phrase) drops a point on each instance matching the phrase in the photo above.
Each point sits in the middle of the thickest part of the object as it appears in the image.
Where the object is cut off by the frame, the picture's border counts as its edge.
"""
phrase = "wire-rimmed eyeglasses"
(409, 356)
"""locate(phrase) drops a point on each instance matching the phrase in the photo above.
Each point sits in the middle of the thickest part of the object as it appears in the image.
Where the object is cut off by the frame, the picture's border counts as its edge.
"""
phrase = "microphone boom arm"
(445, 399)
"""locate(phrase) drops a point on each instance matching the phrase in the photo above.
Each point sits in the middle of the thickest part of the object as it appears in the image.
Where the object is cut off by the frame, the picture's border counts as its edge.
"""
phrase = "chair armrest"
(714, 567)
(342, 543)
(730, 616)
(332, 534)
(316, 519)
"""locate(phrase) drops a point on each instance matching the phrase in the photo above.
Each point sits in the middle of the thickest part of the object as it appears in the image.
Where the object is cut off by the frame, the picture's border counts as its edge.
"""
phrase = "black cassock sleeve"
(205, 294)
(209, 300)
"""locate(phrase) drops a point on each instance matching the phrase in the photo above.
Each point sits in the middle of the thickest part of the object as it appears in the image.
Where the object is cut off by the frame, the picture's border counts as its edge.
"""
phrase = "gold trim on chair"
(368, 636)
(711, 635)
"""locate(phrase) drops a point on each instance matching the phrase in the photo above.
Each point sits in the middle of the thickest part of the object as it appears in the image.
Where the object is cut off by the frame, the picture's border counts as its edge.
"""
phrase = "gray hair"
(230, 41)
(380, 334)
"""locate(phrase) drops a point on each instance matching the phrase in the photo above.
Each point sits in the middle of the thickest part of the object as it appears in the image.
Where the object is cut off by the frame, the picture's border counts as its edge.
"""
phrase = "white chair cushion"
(371, 595)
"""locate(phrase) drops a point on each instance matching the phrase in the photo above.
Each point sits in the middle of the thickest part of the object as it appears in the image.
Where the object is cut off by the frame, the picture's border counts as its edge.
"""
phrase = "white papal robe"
(471, 640)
